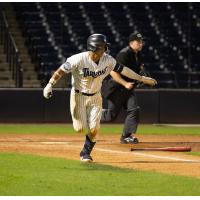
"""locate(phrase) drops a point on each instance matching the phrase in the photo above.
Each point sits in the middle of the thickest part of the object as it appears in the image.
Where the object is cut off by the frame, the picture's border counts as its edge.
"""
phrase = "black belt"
(86, 94)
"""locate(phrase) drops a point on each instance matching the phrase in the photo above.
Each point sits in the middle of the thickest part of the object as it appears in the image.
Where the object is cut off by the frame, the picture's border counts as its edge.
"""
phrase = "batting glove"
(47, 92)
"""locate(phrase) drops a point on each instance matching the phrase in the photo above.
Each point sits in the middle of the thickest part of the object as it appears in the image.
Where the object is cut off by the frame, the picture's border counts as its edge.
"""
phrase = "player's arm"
(66, 67)
(132, 75)
(47, 92)
(117, 77)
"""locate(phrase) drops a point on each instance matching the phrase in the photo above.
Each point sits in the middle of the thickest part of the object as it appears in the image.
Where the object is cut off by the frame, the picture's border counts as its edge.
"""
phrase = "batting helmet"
(97, 41)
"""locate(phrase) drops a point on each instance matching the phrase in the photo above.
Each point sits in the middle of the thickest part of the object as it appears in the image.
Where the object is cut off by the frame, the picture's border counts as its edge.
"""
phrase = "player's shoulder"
(108, 57)
(109, 60)
(78, 58)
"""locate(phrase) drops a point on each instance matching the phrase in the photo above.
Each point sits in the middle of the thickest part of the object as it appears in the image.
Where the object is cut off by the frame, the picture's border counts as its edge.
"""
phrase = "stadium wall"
(156, 106)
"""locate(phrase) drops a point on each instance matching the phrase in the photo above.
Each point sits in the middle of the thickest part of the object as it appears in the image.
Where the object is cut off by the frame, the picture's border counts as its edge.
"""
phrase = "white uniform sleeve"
(70, 64)
(113, 63)
(114, 66)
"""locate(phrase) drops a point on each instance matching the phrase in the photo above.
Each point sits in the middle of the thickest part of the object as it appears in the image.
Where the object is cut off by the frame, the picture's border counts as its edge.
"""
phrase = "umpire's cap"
(97, 41)
(135, 36)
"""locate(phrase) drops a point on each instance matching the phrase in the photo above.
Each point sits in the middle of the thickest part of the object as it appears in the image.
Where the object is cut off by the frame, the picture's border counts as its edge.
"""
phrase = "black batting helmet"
(97, 41)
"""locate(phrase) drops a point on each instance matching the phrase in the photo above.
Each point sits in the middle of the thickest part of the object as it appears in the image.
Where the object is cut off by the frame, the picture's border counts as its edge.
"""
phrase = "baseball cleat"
(129, 140)
(86, 158)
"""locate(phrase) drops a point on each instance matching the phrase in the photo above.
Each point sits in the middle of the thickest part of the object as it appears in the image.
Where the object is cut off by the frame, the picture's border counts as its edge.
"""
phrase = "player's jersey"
(87, 76)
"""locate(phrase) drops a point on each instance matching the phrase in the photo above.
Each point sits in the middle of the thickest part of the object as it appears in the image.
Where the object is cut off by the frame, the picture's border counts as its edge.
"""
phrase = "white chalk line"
(132, 153)
(150, 155)
(65, 143)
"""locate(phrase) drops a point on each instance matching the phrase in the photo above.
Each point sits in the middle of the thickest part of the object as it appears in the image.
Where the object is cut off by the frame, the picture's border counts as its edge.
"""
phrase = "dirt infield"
(108, 151)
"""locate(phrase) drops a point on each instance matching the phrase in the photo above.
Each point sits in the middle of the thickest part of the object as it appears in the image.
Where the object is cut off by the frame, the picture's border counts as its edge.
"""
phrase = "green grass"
(105, 129)
(195, 153)
(36, 129)
(31, 175)
(153, 129)
(28, 175)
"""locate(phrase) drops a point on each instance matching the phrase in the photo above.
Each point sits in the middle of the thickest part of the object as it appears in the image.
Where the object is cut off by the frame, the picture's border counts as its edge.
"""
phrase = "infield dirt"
(108, 151)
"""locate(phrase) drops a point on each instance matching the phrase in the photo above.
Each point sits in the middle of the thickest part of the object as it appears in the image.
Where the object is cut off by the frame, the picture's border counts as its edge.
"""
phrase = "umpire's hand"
(47, 92)
(148, 81)
(129, 85)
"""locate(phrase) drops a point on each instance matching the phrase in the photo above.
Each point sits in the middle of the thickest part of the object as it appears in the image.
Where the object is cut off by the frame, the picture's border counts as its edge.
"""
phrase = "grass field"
(105, 129)
(31, 175)
(35, 175)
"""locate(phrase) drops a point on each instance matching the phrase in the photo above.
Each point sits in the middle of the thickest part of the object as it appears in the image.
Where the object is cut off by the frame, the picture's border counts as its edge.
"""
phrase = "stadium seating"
(55, 31)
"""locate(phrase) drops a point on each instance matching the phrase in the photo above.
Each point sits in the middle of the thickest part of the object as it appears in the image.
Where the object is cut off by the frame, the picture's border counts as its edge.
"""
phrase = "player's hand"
(47, 92)
(148, 81)
(129, 85)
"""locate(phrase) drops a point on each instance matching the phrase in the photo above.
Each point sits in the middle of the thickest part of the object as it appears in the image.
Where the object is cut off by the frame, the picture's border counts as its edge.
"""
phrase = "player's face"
(100, 52)
(136, 45)
(95, 56)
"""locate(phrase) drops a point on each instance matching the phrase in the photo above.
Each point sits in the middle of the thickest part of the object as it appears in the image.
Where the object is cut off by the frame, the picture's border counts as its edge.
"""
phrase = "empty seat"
(164, 79)
(67, 26)
(194, 80)
(182, 79)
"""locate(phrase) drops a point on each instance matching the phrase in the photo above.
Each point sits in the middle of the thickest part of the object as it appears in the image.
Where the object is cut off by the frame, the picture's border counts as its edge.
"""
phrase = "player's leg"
(131, 121)
(94, 108)
(94, 112)
(86, 150)
(78, 111)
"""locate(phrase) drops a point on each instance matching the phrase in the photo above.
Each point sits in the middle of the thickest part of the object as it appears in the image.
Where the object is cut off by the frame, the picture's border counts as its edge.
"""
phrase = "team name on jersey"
(87, 72)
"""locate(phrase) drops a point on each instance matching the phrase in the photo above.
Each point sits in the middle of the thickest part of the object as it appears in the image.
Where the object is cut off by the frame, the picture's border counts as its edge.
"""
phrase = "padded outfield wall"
(156, 106)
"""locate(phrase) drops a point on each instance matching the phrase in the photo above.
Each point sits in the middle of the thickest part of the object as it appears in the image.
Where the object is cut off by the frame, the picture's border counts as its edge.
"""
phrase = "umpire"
(119, 90)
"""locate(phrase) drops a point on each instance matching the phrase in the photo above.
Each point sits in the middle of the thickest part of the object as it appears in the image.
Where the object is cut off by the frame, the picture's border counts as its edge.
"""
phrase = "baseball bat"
(175, 149)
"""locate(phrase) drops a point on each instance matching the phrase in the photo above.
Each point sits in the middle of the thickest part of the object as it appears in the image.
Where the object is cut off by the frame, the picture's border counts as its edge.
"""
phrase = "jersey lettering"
(87, 72)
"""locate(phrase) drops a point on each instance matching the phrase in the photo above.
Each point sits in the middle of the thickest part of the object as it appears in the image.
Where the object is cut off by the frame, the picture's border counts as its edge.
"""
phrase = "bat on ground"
(175, 149)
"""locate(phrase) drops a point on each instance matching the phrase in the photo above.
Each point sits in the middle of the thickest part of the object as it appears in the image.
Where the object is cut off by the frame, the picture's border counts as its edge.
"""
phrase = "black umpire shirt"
(130, 59)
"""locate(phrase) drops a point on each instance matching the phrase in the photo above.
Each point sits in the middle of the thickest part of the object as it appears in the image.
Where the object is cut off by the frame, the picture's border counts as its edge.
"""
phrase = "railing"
(11, 51)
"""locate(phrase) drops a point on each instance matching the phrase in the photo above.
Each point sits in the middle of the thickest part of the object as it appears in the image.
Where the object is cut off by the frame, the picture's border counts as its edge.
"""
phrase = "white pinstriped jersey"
(87, 76)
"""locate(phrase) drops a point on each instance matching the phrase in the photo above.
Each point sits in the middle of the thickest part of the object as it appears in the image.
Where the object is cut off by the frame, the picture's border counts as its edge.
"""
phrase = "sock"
(88, 146)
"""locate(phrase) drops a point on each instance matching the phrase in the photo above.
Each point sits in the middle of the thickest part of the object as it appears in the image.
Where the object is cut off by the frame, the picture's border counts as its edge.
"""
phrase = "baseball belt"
(85, 94)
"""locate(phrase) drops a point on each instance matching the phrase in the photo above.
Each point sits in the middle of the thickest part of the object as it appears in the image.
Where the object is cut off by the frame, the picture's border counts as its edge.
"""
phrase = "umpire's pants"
(127, 99)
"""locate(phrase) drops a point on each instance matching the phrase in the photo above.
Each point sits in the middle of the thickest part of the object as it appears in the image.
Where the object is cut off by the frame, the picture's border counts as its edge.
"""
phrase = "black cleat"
(129, 140)
(85, 157)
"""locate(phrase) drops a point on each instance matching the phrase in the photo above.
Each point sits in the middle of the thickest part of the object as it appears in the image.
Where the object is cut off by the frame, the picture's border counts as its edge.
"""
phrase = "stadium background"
(35, 38)
(38, 157)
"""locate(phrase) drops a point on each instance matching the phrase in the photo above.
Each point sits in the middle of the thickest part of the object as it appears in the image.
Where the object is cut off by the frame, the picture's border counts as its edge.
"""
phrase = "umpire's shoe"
(129, 140)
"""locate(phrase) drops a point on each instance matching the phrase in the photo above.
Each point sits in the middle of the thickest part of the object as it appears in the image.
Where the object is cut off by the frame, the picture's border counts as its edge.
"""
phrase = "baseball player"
(88, 71)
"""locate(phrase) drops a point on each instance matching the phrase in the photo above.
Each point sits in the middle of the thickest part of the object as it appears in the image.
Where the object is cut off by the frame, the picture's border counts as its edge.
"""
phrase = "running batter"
(88, 71)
